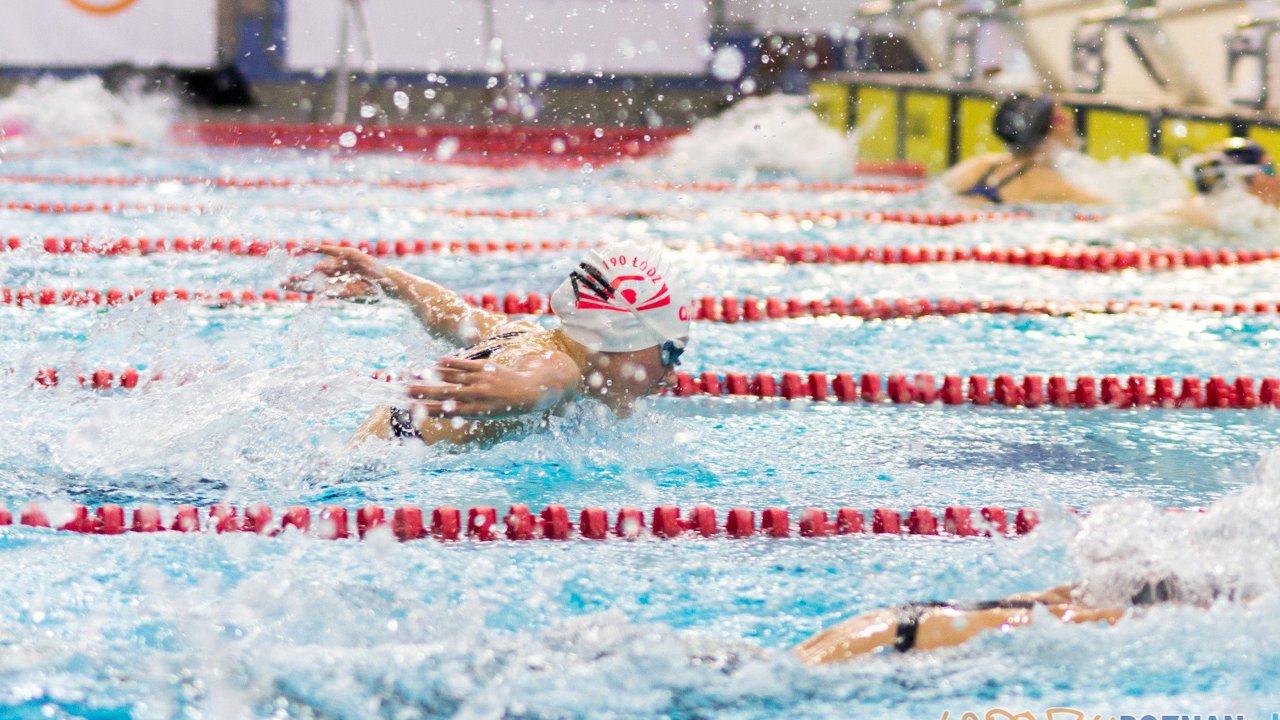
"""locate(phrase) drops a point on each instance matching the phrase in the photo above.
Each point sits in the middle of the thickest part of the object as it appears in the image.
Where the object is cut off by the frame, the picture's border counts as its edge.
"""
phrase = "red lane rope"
(1075, 258)
(910, 217)
(1031, 391)
(725, 186)
(261, 183)
(552, 523)
(709, 309)
(241, 183)
(262, 246)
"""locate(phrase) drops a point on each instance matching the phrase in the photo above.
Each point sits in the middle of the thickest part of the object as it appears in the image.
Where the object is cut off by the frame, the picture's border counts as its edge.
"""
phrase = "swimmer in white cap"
(624, 322)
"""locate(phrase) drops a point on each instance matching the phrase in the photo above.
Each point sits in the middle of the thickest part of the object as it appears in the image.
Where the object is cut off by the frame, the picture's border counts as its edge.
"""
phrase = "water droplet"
(401, 99)
(347, 139)
(727, 63)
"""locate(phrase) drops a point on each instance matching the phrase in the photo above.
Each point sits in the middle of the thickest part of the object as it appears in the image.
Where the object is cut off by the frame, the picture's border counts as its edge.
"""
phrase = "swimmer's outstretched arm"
(938, 628)
(444, 313)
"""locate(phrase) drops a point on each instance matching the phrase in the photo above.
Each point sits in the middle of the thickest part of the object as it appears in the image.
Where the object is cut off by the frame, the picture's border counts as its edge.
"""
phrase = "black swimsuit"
(909, 615)
(402, 425)
(984, 189)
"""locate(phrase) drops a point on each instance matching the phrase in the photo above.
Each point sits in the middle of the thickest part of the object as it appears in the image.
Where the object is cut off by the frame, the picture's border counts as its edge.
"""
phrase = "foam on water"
(775, 133)
(1226, 554)
(53, 113)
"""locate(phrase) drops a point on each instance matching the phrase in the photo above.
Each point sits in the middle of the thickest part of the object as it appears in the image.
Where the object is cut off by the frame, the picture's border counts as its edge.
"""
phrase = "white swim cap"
(621, 298)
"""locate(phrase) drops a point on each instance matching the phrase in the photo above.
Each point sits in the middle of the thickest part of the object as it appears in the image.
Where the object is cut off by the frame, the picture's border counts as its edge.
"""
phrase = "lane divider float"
(729, 186)
(1003, 390)
(483, 524)
(909, 217)
(726, 309)
(223, 181)
(249, 246)
(1091, 259)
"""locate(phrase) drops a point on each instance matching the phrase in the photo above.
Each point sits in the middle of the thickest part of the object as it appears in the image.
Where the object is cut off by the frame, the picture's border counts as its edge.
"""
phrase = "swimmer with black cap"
(1034, 129)
(624, 322)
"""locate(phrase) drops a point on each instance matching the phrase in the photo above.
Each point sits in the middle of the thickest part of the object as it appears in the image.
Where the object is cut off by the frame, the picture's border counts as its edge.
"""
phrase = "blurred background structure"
(916, 76)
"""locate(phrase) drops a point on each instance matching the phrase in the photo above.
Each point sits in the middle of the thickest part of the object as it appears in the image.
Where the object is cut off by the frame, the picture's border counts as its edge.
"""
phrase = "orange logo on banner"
(102, 7)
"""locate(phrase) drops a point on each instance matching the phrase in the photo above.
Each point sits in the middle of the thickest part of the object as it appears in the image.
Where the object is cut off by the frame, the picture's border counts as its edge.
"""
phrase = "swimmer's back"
(1013, 180)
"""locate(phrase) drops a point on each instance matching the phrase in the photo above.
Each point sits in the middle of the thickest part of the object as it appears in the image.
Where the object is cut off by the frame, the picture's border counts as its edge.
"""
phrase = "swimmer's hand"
(348, 273)
(484, 389)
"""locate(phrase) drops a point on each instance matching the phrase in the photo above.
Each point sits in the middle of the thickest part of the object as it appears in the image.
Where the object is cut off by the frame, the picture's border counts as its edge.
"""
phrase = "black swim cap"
(1023, 121)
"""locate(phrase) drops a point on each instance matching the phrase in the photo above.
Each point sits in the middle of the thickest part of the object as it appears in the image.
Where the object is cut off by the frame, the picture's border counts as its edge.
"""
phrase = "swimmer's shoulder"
(965, 173)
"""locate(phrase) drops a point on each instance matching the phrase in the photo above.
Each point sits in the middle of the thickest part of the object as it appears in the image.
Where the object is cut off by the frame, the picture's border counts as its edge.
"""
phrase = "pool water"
(257, 404)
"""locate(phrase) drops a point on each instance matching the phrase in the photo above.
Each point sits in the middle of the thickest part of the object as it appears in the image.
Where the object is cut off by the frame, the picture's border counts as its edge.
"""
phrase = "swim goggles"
(669, 351)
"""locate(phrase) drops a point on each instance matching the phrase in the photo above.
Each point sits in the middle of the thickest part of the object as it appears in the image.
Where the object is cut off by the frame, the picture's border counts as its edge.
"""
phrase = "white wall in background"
(580, 36)
(425, 35)
(102, 32)
(627, 36)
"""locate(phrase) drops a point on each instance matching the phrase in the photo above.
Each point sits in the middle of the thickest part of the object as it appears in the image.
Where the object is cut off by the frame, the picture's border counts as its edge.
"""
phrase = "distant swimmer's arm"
(529, 383)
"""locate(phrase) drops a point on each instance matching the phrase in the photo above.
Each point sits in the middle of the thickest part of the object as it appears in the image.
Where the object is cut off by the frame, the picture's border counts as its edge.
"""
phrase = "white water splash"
(1227, 553)
(54, 113)
(1140, 182)
(778, 133)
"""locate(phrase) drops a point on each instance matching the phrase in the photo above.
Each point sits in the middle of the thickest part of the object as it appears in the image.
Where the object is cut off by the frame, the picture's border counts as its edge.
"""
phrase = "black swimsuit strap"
(402, 425)
(1022, 169)
(909, 615)
(470, 353)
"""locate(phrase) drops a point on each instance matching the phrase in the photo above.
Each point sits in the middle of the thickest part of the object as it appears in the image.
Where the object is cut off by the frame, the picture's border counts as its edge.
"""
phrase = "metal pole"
(342, 75)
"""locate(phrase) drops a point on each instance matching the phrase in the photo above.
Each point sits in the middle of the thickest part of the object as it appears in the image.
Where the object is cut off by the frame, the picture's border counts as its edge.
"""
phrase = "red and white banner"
(553, 36)
(103, 32)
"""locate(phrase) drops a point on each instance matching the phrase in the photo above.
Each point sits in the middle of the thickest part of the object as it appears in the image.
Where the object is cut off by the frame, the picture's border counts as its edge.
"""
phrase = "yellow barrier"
(878, 123)
(931, 126)
(831, 102)
(1268, 138)
(974, 123)
(1181, 137)
(927, 130)
(1116, 133)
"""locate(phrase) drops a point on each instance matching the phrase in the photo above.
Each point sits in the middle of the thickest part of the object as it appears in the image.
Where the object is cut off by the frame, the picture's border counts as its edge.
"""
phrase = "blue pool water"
(198, 626)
